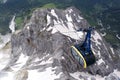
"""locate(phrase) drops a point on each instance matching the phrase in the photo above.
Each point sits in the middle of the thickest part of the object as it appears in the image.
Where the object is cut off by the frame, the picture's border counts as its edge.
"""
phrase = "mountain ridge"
(94, 11)
(42, 46)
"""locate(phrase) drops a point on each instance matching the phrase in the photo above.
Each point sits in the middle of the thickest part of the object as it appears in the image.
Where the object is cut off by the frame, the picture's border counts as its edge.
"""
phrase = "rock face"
(112, 77)
(42, 47)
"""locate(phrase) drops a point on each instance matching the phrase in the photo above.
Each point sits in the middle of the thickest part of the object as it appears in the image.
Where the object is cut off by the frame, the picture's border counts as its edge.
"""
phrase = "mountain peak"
(42, 49)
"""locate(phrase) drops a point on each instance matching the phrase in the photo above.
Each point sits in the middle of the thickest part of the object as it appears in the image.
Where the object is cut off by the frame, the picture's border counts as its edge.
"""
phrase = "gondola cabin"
(83, 53)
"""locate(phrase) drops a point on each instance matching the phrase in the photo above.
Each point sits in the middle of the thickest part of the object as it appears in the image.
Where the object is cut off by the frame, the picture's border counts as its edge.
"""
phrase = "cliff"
(41, 50)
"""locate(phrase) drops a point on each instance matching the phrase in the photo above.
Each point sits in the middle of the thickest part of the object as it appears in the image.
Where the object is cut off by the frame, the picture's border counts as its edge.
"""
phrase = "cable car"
(83, 53)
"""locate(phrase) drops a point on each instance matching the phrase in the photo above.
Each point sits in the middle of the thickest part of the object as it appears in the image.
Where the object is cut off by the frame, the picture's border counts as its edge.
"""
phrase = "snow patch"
(118, 36)
(49, 61)
(48, 20)
(12, 24)
(48, 74)
(107, 66)
(99, 53)
(77, 74)
(97, 37)
(74, 14)
(53, 13)
(68, 31)
(21, 62)
(44, 57)
(28, 27)
(70, 10)
(112, 50)
(78, 20)
(117, 72)
(100, 23)
(4, 58)
(100, 61)
(96, 52)
(49, 28)
(43, 29)
(69, 18)
(63, 57)
(103, 34)
(80, 17)
(70, 26)
(37, 59)
(6, 76)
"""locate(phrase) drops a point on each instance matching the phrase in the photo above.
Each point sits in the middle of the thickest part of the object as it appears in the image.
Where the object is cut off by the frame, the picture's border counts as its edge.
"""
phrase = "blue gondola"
(83, 53)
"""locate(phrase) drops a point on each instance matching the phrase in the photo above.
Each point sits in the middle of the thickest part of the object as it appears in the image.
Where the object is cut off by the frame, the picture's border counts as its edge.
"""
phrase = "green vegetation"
(49, 5)
(111, 38)
(105, 10)
(92, 21)
(1, 1)
(19, 21)
(98, 8)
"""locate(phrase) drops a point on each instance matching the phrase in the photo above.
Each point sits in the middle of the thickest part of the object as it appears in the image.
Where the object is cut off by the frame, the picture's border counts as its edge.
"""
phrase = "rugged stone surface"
(112, 77)
(44, 44)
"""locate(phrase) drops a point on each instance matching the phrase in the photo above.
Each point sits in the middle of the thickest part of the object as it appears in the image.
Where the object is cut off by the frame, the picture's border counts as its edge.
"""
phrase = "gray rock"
(92, 78)
(36, 41)
(112, 76)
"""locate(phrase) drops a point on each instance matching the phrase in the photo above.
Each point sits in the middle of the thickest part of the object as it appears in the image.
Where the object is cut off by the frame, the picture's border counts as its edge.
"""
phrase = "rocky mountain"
(105, 12)
(41, 50)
